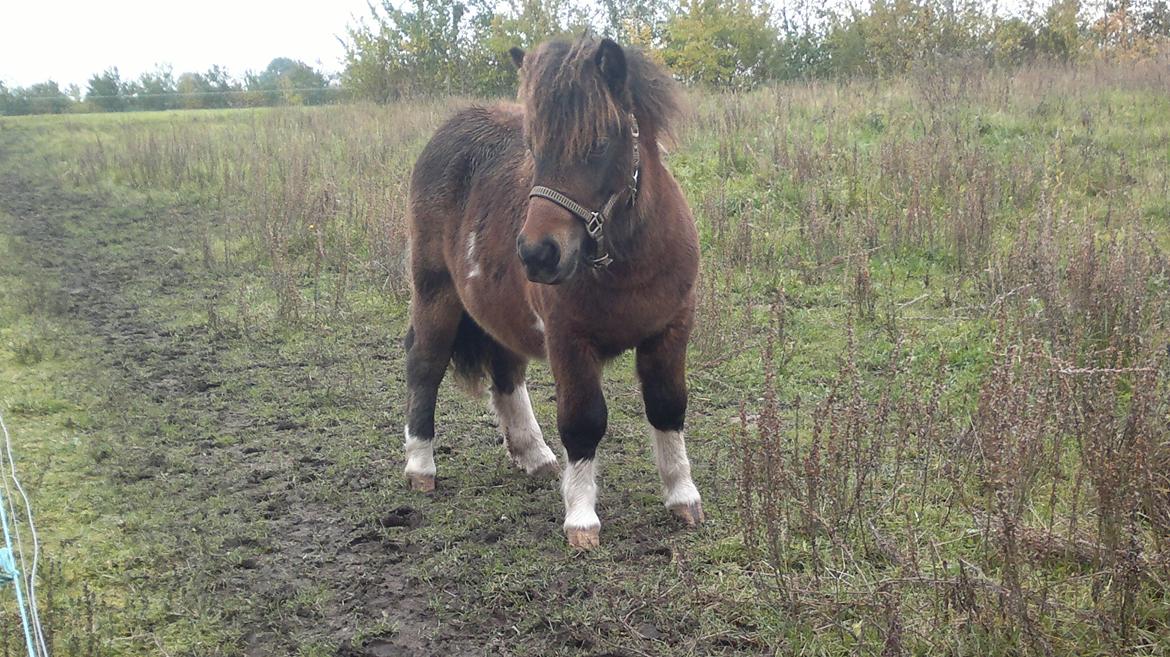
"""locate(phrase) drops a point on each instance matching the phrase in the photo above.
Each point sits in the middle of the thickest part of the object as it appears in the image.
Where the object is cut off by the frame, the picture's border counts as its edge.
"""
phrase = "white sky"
(70, 40)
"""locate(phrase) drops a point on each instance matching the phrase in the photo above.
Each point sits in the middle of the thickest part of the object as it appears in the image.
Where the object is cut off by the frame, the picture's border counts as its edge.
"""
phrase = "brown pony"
(552, 229)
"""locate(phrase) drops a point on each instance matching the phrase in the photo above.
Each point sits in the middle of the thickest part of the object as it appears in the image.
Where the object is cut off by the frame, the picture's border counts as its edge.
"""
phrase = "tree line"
(408, 48)
(283, 82)
(460, 46)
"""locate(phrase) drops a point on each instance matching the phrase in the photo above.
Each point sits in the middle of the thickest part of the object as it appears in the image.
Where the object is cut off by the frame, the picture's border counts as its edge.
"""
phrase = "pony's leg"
(435, 312)
(661, 362)
(581, 421)
(522, 435)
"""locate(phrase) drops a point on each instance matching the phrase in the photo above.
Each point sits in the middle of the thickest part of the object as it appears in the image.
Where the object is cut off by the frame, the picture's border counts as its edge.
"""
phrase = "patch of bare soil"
(230, 459)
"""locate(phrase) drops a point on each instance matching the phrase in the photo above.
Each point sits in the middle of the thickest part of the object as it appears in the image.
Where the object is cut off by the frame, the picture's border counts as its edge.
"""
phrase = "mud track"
(236, 475)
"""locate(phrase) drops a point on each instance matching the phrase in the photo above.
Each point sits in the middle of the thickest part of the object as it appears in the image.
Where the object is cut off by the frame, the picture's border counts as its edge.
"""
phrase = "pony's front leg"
(581, 420)
(662, 370)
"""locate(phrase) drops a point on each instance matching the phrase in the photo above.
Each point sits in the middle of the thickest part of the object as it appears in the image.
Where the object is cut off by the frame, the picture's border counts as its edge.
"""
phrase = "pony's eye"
(599, 150)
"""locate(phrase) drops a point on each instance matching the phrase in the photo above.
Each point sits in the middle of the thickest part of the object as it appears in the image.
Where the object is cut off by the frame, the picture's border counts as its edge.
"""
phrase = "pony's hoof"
(690, 514)
(422, 483)
(584, 539)
(547, 470)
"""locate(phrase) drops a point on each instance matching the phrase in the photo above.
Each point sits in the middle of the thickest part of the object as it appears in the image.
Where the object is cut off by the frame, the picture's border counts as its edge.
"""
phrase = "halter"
(595, 219)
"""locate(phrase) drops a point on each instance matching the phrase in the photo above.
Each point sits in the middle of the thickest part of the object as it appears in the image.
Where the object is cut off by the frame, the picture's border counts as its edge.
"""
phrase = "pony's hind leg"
(435, 314)
(522, 436)
(661, 363)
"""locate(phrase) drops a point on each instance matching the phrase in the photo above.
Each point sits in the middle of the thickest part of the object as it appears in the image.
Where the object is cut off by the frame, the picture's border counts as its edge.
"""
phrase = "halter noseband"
(595, 219)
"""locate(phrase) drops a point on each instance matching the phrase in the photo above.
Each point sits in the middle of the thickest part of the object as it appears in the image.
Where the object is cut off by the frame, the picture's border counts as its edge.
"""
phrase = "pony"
(550, 228)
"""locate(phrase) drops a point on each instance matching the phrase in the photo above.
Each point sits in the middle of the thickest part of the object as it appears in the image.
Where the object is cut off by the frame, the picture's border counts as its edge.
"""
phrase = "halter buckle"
(594, 225)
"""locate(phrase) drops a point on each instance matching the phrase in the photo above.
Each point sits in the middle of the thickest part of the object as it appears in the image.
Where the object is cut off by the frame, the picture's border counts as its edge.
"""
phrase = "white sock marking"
(670, 455)
(420, 455)
(580, 491)
(522, 435)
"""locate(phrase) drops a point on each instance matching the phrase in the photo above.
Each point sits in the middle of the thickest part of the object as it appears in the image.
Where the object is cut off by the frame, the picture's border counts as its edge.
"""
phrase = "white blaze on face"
(579, 488)
(522, 435)
(670, 455)
(472, 263)
(420, 455)
(539, 325)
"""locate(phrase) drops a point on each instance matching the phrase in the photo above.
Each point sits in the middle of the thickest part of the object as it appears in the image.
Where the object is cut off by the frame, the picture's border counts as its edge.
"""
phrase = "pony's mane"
(569, 109)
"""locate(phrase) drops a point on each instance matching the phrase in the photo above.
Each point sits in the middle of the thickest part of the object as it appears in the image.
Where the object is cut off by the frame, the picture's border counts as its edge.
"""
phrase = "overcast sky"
(68, 40)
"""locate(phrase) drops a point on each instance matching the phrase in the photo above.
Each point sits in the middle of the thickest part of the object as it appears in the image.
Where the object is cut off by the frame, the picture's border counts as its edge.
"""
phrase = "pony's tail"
(472, 355)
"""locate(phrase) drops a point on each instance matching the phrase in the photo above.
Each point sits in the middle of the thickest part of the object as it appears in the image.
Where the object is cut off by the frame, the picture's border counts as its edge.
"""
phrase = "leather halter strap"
(595, 219)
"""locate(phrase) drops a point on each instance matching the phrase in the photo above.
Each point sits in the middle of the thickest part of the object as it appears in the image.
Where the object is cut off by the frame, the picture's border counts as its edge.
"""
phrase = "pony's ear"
(517, 56)
(611, 61)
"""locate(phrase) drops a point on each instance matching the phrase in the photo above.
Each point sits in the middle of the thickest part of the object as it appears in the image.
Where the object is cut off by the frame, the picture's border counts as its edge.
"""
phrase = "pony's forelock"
(569, 108)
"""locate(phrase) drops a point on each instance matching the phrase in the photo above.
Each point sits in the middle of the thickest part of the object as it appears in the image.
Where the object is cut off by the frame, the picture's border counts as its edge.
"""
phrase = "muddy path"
(217, 442)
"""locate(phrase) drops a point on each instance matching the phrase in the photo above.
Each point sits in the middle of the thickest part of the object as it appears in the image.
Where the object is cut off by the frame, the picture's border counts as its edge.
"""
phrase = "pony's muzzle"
(541, 258)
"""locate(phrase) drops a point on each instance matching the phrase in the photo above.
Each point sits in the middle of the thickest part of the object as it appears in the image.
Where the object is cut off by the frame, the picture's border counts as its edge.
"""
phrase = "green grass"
(200, 328)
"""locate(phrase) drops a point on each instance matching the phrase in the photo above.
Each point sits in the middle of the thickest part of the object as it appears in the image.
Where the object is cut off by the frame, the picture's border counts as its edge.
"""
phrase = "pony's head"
(583, 102)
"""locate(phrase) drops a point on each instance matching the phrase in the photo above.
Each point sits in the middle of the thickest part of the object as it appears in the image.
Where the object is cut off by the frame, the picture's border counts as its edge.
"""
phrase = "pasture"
(928, 412)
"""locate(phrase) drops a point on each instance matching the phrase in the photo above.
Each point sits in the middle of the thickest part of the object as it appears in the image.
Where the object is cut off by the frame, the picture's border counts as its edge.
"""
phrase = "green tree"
(194, 91)
(799, 51)
(289, 82)
(416, 49)
(12, 103)
(449, 46)
(637, 22)
(893, 36)
(41, 98)
(47, 98)
(1059, 33)
(720, 42)
(154, 90)
(212, 89)
(106, 91)
(525, 24)
(1014, 42)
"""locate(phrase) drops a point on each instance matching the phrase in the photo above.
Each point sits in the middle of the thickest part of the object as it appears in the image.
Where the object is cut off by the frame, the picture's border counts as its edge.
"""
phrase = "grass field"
(929, 406)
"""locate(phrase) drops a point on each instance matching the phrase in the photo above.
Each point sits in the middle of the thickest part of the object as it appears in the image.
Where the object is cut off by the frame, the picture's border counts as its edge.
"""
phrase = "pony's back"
(475, 143)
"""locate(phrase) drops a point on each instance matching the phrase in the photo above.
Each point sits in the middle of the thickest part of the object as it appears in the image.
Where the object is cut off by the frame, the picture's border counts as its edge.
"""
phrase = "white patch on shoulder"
(522, 435)
(420, 455)
(475, 270)
(670, 455)
(579, 487)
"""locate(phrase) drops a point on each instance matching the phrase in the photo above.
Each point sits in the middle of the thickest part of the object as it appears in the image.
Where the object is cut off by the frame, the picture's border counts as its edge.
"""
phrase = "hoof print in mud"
(403, 516)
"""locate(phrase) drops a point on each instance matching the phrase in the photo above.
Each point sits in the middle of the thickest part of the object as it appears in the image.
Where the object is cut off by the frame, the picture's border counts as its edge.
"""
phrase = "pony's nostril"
(542, 256)
(550, 255)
